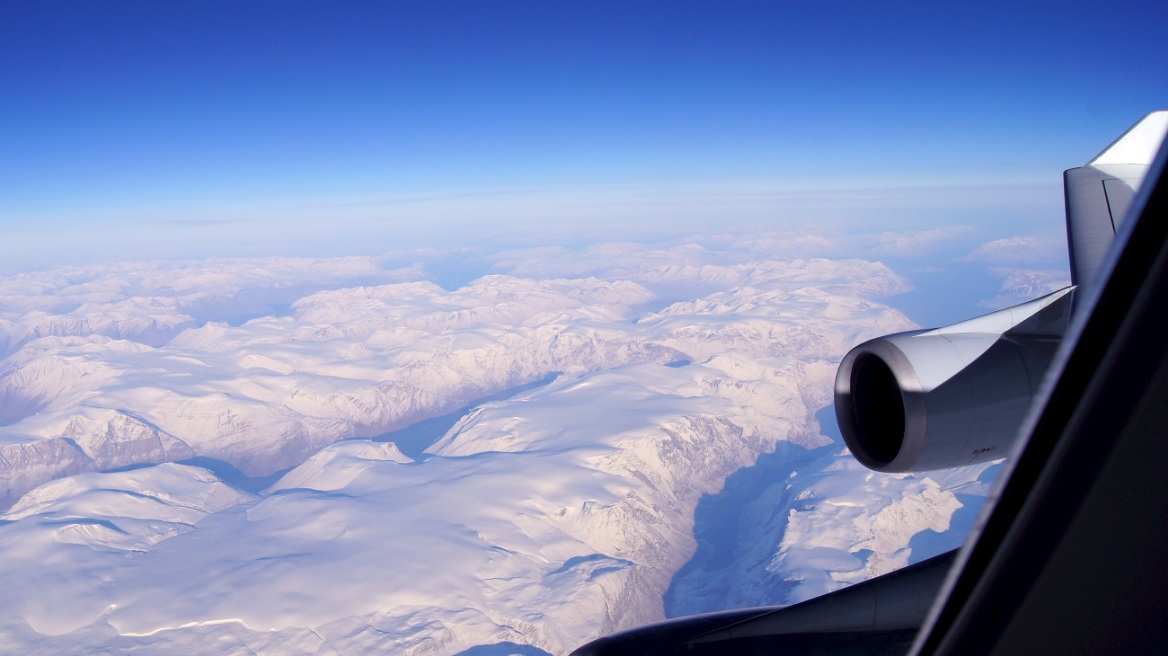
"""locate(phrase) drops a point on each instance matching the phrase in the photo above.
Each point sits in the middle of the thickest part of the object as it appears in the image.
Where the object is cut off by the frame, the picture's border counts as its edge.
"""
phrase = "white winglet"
(1099, 194)
(1138, 145)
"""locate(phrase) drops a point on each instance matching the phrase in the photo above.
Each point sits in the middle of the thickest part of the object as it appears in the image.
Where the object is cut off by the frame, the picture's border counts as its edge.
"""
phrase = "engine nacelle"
(948, 397)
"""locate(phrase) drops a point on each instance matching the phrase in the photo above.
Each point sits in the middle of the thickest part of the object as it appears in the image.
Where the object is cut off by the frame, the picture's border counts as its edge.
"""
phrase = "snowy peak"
(563, 421)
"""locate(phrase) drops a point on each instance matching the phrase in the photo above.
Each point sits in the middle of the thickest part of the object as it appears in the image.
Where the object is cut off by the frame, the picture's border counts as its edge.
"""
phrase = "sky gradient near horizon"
(140, 120)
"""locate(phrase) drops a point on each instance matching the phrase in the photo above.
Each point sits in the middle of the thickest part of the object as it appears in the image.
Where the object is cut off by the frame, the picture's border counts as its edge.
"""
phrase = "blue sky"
(124, 124)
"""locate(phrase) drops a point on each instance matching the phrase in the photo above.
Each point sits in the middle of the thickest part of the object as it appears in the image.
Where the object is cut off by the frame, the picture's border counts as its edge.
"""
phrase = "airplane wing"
(1072, 557)
(1099, 194)
(956, 395)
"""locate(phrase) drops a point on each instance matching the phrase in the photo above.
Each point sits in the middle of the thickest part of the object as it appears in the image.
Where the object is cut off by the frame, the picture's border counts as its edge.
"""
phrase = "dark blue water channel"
(503, 649)
(413, 440)
(703, 581)
(222, 469)
(232, 476)
(929, 543)
(718, 519)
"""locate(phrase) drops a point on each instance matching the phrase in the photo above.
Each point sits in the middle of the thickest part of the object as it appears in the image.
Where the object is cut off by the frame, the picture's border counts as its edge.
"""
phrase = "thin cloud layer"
(1020, 250)
(919, 243)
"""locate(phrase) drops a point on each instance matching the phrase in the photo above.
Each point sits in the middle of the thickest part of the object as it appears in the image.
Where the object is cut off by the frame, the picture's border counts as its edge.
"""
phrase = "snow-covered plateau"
(335, 457)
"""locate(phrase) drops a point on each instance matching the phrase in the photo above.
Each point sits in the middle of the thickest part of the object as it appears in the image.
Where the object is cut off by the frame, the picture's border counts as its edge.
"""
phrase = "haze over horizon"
(136, 130)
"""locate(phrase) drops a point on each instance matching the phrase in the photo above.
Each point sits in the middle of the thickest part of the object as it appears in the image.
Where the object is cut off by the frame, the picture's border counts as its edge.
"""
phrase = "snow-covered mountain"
(178, 483)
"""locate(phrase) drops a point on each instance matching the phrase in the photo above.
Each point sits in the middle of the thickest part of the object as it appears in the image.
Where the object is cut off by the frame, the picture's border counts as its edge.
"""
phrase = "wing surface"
(1070, 559)
(1099, 194)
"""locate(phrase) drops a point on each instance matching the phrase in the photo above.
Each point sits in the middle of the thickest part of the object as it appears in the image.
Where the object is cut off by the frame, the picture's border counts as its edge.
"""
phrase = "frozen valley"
(208, 457)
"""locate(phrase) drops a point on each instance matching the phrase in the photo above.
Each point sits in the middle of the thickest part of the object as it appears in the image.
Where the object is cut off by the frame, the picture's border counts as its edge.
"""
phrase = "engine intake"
(948, 397)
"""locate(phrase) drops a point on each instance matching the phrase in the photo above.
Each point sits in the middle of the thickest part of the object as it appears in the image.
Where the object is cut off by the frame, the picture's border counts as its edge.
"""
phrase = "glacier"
(199, 456)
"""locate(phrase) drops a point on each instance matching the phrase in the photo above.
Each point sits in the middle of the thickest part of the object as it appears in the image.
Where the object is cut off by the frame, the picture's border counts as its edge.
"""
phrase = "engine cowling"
(953, 396)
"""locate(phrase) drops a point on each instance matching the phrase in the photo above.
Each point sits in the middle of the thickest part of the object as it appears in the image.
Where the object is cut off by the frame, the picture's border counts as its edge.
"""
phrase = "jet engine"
(952, 396)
